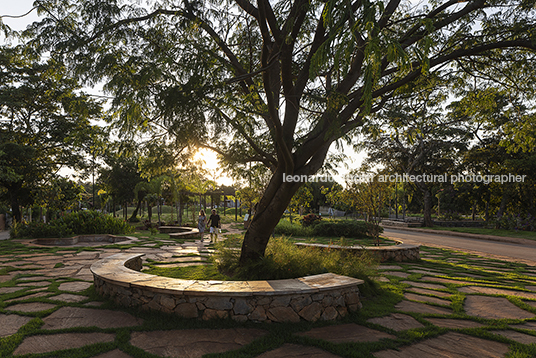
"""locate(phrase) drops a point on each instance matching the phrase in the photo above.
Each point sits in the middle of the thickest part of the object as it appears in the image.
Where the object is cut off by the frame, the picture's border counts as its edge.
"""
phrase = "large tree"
(44, 124)
(275, 82)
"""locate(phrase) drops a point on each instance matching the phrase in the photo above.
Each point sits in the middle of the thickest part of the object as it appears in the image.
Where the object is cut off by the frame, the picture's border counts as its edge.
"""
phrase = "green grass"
(376, 303)
(531, 235)
(200, 272)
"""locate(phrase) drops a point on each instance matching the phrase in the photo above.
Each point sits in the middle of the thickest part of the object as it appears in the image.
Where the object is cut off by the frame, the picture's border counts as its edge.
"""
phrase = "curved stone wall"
(319, 297)
(400, 252)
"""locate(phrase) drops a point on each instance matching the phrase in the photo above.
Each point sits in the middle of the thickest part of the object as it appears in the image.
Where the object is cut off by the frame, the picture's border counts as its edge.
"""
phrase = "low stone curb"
(311, 298)
(398, 253)
(83, 238)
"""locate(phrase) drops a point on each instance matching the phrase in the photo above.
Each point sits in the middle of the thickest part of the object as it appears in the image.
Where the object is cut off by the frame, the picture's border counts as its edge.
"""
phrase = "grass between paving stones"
(376, 304)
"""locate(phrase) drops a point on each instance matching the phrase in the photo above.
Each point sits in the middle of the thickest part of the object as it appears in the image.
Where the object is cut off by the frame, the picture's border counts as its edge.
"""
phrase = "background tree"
(368, 197)
(272, 82)
(44, 124)
(412, 135)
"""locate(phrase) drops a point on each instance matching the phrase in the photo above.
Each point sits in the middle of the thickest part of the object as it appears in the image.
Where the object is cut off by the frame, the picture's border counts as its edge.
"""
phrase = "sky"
(21, 7)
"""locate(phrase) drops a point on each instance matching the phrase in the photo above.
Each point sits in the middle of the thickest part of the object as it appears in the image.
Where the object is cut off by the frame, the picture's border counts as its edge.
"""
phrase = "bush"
(310, 219)
(285, 227)
(284, 260)
(523, 222)
(77, 223)
(343, 228)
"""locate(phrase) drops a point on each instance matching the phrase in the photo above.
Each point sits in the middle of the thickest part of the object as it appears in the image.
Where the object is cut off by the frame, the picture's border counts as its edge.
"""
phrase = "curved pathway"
(525, 252)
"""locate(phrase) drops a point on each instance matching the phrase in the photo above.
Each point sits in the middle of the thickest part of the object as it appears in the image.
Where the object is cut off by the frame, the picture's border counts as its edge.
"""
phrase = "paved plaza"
(450, 304)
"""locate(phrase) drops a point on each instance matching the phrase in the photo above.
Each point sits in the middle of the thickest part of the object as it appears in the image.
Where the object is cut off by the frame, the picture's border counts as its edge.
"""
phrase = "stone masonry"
(312, 298)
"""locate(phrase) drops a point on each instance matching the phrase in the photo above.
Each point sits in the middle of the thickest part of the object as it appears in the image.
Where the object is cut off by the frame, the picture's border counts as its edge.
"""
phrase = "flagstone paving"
(10, 323)
(423, 303)
(116, 353)
(454, 323)
(31, 307)
(397, 322)
(69, 317)
(194, 343)
(295, 350)
(494, 308)
(54, 342)
(346, 333)
(449, 345)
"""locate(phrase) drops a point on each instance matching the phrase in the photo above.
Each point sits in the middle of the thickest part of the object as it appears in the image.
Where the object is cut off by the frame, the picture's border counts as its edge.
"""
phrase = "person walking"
(214, 223)
(201, 223)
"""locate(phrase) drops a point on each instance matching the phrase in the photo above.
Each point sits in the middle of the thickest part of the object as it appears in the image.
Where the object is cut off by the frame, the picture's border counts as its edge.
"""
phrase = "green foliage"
(516, 222)
(76, 223)
(285, 227)
(283, 259)
(345, 228)
(310, 219)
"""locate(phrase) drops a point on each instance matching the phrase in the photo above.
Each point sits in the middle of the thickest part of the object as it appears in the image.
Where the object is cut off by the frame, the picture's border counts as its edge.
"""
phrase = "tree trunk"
(269, 210)
(427, 211)
(15, 207)
(149, 211)
(135, 212)
(504, 201)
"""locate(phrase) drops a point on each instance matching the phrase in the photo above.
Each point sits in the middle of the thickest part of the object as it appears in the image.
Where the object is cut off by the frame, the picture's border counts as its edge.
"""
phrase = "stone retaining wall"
(180, 232)
(82, 238)
(319, 297)
(399, 253)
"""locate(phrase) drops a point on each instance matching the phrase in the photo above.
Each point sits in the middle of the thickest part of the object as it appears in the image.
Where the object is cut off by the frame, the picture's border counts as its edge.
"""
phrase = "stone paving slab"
(54, 342)
(116, 353)
(454, 323)
(442, 280)
(34, 295)
(429, 292)
(424, 285)
(5, 278)
(414, 297)
(31, 307)
(416, 307)
(10, 323)
(531, 303)
(344, 333)
(389, 267)
(67, 297)
(451, 345)
(496, 291)
(527, 325)
(76, 286)
(69, 317)
(34, 284)
(516, 336)
(194, 343)
(4, 290)
(397, 274)
(494, 308)
(397, 322)
(294, 350)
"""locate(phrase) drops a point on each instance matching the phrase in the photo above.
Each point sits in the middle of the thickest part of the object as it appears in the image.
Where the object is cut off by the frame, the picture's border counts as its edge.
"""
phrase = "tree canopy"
(45, 124)
(276, 82)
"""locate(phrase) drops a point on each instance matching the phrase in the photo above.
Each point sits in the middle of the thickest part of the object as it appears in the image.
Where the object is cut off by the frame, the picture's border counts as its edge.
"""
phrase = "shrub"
(285, 227)
(310, 219)
(343, 228)
(523, 222)
(75, 223)
(284, 260)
